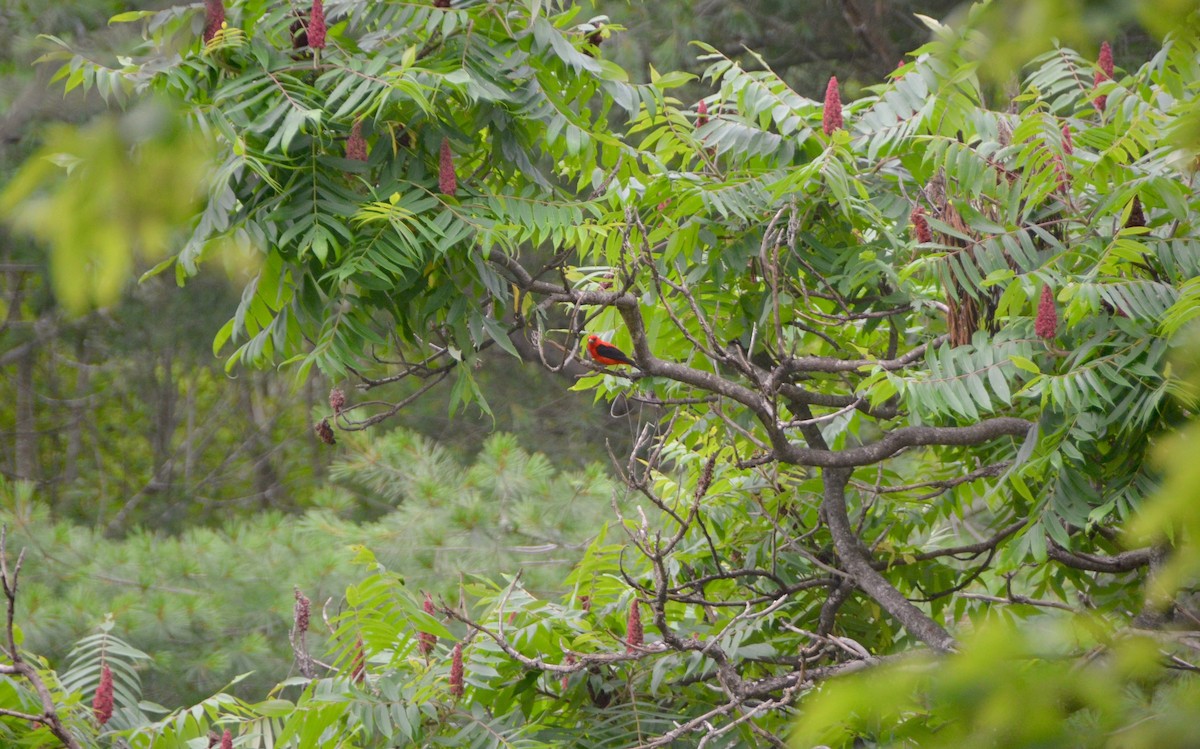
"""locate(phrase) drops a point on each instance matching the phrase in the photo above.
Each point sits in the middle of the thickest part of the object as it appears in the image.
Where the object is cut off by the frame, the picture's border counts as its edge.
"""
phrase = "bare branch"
(1017, 600)
(830, 365)
(974, 549)
(353, 425)
(21, 667)
(1126, 561)
(582, 660)
(940, 486)
(893, 442)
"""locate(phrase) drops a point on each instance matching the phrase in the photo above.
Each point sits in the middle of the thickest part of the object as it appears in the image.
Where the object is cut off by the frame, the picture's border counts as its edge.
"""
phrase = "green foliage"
(508, 511)
(1013, 688)
(872, 442)
(208, 603)
(65, 196)
(1017, 31)
(204, 605)
(132, 423)
(89, 657)
(1174, 515)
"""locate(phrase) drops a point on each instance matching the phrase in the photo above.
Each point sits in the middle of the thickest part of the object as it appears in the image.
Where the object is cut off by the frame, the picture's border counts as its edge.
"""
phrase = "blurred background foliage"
(209, 602)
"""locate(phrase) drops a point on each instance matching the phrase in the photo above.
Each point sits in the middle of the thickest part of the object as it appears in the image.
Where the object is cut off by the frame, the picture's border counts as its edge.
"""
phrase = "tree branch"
(1126, 561)
(21, 667)
(894, 442)
(858, 563)
(830, 365)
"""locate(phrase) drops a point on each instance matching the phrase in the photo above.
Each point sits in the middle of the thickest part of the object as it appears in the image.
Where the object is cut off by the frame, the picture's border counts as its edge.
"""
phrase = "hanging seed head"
(633, 630)
(1003, 132)
(701, 113)
(299, 32)
(214, 738)
(570, 661)
(356, 150)
(426, 640)
(447, 179)
(832, 118)
(316, 26)
(1137, 216)
(214, 18)
(102, 703)
(456, 671)
(227, 740)
(1105, 60)
(1061, 173)
(337, 400)
(920, 225)
(1068, 144)
(1046, 324)
(302, 612)
(1105, 73)
(585, 603)
(325, 432)
(441, 3)
(358, 671)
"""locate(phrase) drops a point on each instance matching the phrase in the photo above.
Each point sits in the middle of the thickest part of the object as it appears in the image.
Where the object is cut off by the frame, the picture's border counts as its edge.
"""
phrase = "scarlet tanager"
(603, 352)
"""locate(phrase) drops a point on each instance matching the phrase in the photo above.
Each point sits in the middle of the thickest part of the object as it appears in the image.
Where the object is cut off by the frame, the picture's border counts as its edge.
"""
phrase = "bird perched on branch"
(603, 352)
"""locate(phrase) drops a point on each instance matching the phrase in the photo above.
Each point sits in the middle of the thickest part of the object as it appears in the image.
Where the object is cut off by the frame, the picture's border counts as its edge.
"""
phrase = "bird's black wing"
(614, 353)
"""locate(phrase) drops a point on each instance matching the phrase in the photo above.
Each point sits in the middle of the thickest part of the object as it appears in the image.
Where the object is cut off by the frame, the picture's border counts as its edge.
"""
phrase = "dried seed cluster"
(1046, 323)
(356, 150)
(447, 179)
(832, 118)
(214, 18)
(337, 400)
(325, 432)
(456, 671)
(1105, 73)
(358, 672)
(634, 635)
(426, 640)
(920, 225)
(316, 26)
(302, 612)
(102, 703)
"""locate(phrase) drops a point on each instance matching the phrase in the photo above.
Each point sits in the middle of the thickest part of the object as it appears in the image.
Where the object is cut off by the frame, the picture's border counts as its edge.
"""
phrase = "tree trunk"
(25, 435)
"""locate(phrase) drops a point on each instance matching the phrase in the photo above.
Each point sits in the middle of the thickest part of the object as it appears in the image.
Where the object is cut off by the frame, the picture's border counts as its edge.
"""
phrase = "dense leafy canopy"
(909, 363)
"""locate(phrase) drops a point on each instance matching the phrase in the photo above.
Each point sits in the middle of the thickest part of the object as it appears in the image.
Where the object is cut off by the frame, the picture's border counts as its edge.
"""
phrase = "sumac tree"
(906, 364)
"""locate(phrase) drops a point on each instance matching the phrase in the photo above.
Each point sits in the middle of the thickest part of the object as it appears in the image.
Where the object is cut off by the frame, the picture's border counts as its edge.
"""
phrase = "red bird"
(603, 352)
